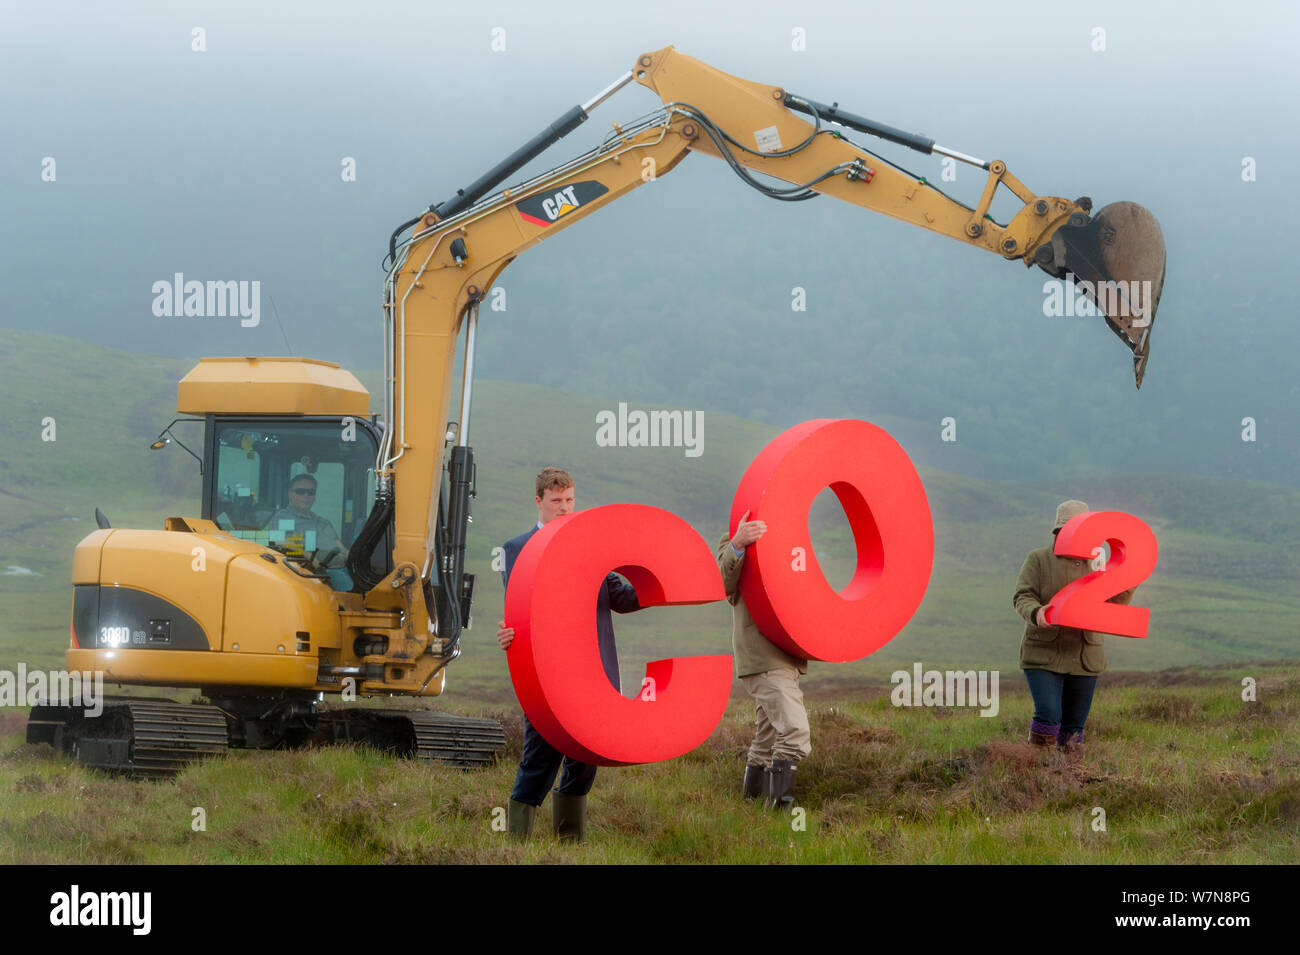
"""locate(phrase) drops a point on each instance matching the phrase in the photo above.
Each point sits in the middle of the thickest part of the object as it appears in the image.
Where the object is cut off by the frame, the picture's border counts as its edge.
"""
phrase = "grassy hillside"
(1223, 590)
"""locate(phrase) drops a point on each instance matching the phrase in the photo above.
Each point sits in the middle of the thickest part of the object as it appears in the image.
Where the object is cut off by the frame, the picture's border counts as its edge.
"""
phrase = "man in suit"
(540, 761)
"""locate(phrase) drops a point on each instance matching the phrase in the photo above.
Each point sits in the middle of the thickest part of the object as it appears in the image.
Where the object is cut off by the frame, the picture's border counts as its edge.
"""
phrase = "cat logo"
(561, 203)
(547, 208)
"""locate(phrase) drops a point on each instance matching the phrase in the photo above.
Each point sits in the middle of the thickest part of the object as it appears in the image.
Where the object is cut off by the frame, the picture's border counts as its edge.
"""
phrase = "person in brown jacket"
(771, 678)
(1061, 664)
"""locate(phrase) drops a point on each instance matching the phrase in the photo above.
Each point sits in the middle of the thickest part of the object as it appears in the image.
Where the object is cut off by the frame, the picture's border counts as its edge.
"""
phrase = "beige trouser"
(781, 719)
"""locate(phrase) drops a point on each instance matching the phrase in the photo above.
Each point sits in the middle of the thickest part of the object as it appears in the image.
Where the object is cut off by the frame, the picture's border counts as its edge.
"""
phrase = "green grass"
(1185, 771)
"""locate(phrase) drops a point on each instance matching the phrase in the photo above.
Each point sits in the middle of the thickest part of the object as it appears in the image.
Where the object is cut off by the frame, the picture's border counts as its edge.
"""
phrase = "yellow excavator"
(329, 558)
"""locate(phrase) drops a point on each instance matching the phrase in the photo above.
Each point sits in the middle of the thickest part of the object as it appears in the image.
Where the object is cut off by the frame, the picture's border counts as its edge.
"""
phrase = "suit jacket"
(615, 594)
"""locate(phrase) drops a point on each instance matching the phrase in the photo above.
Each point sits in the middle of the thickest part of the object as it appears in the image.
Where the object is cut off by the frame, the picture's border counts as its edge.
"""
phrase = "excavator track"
(465, 741)
(459, 740)
(156, 739)
(169, 735)
(151, 739)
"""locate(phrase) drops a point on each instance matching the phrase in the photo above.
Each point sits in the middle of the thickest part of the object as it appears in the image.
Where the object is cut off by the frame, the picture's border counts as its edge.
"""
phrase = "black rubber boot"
(569, 813)
(781, 785)
(756, 783)
(519, 819)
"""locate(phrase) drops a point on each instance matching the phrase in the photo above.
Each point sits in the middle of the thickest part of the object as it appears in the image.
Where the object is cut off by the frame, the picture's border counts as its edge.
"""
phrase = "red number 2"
(1133, 552)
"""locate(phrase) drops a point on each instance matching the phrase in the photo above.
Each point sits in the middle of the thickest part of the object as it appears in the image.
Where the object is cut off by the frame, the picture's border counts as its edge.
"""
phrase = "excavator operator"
(318, 534)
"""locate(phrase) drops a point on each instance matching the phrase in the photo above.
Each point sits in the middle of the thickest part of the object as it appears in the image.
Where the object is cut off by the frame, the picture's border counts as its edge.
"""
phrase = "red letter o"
(882, 497)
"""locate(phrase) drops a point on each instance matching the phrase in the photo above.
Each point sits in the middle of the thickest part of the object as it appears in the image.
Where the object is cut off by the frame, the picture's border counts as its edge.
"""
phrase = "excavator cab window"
(303, 486)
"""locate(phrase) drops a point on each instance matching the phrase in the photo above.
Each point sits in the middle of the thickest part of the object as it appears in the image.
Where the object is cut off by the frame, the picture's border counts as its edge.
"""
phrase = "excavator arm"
(456, 250)
(1117, 257)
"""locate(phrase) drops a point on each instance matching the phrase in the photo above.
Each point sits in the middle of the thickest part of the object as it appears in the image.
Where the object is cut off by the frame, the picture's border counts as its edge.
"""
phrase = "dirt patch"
(627, 816)
(1166, 708)
(831, 691)
(473, 805)
(1279, 807)
(1016, 755)
(729, 738)
(12, 721)
(1188, 676)
(29, 753)
(31, 784)
(442, 854)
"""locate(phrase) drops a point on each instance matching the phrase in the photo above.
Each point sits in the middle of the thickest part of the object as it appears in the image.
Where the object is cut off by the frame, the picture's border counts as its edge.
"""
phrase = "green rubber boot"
(781, 784)
(569, 814)
(519, 819)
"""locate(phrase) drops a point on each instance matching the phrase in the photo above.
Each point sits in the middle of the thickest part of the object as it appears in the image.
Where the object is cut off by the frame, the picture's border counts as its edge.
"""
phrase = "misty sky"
(225, 164)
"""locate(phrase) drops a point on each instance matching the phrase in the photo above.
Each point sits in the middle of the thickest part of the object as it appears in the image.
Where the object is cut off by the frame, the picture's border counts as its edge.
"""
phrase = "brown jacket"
(1059, 649)
(753, 652)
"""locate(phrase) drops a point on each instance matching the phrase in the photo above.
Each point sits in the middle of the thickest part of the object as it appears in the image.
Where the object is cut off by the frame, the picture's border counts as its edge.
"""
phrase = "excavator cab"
(302, 486)
(288, 458)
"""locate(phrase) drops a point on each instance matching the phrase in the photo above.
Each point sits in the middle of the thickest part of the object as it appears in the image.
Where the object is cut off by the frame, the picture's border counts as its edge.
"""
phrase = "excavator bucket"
(1117, 259)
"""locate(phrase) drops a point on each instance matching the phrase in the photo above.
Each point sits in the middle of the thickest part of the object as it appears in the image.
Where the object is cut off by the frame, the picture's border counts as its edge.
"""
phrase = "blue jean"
(538, 765)
(1061, 699)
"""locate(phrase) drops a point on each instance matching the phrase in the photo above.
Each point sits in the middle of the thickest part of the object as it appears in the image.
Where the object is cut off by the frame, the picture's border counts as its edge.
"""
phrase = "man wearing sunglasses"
(317, 533)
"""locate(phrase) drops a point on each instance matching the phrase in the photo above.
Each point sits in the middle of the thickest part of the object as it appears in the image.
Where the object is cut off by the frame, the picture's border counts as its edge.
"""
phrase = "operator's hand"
(1040, 617)
(747, 532)
(505, 635)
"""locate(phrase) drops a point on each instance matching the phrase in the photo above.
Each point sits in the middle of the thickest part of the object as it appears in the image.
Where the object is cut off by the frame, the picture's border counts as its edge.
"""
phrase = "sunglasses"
(310, 492)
